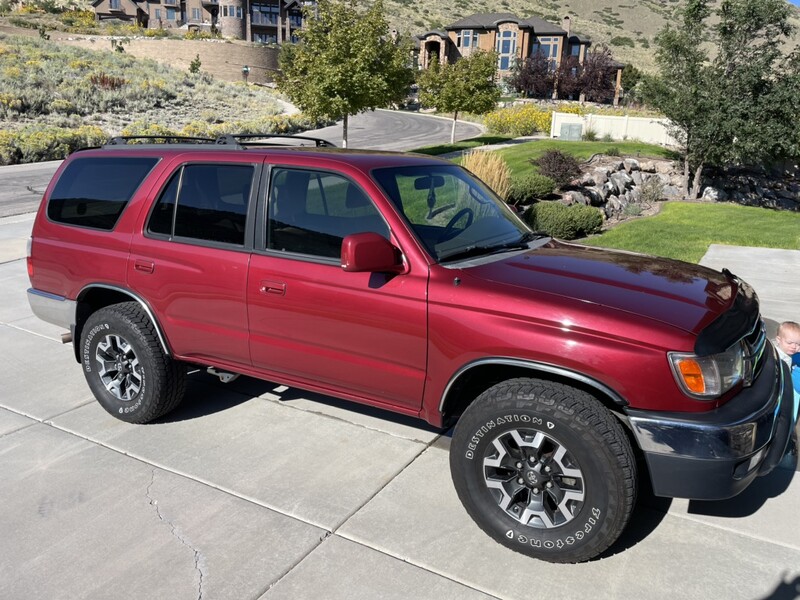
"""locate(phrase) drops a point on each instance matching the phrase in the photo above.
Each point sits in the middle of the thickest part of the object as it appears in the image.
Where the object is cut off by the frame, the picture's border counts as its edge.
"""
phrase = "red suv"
(401, 281)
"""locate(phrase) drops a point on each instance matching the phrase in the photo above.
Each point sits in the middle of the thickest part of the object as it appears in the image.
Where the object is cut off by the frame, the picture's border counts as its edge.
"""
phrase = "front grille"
(754, 344)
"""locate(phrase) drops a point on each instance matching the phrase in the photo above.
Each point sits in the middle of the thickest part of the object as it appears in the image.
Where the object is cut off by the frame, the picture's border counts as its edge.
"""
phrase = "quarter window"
(93, 192)
(205, 202)
(312, 212)
(506, 49)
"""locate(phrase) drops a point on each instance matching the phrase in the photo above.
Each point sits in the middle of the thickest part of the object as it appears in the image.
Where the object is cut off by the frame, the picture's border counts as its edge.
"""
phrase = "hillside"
(634, 23)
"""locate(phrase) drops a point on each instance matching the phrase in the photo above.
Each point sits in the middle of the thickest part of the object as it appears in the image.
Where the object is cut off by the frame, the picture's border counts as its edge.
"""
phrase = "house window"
(196, 14)
(506, 49)
(575, 50)
(170, 14)
(115, 4)
(158, 14)
(239, 12)
(295, 18)
(467, 39)
(265, 14)
(265, 38)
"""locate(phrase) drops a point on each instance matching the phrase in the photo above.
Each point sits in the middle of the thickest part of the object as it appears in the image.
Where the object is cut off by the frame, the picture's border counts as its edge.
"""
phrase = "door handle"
(272, 287)
(144, 266)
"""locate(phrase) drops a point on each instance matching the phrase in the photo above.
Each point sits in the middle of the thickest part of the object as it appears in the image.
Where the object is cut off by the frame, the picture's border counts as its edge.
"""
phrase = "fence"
(644, 129)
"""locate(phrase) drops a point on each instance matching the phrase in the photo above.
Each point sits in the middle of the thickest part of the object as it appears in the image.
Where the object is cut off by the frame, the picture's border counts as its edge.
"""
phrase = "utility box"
(571, 132)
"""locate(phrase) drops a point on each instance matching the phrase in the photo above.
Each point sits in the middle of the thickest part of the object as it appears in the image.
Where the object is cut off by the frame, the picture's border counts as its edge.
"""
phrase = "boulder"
(595, 196)
(631, 164)
(600, 176)
(670, 192)
(714, 194)
(638, 177)
(574, 197)
(648, 167)
(587, 179)
(664, 167)
(621, 181)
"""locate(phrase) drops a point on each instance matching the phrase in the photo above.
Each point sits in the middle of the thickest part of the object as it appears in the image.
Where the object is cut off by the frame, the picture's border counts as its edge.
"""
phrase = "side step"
(224, 376)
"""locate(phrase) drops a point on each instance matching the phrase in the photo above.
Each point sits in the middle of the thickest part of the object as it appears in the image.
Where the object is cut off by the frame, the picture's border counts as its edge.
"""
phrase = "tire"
(544, 469)
(126, 367)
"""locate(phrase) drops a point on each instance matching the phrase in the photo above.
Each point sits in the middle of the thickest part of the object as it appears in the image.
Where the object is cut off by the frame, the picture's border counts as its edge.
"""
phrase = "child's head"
(788, 337)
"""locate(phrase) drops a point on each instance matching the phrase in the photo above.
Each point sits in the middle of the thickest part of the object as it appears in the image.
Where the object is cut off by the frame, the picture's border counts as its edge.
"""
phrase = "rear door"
(191, 261)
(362, 334)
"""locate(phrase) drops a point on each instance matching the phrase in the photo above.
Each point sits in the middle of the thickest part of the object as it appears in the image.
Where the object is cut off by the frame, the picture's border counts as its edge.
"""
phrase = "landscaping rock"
(638, 177)
(714, 194)
(600, 176)
(670, 192)
(621, 181)
(630, 164)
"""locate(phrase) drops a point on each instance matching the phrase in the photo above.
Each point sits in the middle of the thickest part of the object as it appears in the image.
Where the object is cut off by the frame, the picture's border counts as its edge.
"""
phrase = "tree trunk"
(686, 176)
(344, 132)
(698, 180)
(453, 130)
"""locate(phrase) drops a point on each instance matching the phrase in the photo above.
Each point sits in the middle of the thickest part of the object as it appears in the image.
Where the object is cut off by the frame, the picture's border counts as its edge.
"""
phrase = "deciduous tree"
(465, 86)
(345, 63)
(739, 107)
(533, 77)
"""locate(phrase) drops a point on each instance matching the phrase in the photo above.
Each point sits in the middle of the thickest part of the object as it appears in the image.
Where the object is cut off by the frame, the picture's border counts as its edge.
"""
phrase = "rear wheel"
(125, 366)
(544, 469)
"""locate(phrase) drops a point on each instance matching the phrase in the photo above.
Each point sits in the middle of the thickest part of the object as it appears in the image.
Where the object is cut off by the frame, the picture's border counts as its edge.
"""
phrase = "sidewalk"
(252, 491)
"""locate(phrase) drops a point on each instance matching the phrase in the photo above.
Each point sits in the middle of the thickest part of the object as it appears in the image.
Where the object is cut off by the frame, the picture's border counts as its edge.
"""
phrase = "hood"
(679, 294)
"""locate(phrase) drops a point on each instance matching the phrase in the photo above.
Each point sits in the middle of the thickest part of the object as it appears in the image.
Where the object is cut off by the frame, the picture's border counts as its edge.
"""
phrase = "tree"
(568, 77)
(738, 107)
(533, 76)
(596, 77)
(465, 86)
(345, 63)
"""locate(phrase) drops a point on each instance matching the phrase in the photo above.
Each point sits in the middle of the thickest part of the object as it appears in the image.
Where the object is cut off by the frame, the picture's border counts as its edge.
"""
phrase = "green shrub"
(530, 187)
(622, 40)
(36, 143)
(558, 166)
(564, 222)
(590, 135)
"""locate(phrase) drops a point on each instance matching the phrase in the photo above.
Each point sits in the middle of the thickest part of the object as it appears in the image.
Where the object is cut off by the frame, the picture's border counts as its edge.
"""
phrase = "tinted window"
(205, 202)
(448, 209)
(93, 192)
(312, 212)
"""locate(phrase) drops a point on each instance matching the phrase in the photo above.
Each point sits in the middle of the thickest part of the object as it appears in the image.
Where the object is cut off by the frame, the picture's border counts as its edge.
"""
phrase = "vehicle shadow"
(754, 497)
(206, 395)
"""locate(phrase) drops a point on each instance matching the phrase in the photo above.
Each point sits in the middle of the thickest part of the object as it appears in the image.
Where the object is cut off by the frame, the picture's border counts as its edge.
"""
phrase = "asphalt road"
(22, 186)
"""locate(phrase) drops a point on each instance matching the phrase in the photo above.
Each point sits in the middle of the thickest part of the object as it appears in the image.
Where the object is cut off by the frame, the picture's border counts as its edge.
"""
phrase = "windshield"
(454, 215)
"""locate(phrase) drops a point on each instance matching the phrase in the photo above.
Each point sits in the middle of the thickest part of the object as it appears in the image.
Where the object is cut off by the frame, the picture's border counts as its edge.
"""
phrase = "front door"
(364, 334)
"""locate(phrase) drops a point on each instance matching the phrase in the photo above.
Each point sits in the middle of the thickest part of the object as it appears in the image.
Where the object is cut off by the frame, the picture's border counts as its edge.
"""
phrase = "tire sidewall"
(575, 540)
(104, 323)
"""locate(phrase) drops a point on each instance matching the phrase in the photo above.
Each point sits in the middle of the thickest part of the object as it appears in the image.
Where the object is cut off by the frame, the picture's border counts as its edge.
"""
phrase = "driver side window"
(311, 212)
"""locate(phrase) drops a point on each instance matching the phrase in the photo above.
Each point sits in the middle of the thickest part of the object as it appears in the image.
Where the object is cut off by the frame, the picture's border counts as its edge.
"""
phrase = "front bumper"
(717, 454)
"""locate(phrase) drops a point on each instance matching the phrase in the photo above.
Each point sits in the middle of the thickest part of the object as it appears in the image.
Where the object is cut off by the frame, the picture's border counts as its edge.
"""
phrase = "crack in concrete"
(198, 556)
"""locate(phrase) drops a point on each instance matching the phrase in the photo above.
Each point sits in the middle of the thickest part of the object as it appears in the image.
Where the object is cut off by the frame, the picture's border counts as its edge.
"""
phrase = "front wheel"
(544, 469)
(125, 366)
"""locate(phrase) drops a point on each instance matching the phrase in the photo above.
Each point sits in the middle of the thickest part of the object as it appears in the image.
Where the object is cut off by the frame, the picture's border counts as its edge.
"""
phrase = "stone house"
(513, 38)
(265, 21)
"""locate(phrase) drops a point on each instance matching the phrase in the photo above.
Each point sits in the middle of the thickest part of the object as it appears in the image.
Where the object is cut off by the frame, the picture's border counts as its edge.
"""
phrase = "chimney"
(566, 24)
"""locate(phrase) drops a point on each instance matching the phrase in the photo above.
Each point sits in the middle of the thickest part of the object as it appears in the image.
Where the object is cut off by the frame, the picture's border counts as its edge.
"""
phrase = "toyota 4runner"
(401, 281)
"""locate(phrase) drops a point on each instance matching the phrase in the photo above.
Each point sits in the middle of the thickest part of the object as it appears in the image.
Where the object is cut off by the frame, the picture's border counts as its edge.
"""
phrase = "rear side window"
(205, 202)
(93, 192)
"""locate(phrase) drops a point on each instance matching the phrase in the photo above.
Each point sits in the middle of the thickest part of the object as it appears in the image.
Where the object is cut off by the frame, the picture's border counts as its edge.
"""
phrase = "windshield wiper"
(478, 250)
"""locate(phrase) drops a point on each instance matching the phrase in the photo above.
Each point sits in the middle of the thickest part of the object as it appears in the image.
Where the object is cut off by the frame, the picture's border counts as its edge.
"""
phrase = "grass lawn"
(684, 230)
(518, 156)
(482, 140)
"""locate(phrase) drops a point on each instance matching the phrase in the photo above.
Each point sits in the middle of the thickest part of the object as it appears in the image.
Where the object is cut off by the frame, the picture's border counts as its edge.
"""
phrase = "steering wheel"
(450, 229)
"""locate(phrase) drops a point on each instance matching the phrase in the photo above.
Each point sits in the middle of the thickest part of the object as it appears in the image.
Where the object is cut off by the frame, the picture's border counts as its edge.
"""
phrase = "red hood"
(680, 294)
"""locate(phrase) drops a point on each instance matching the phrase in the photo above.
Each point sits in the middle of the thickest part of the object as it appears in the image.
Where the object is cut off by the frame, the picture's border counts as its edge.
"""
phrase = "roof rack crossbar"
(237, 139)
(122, 140)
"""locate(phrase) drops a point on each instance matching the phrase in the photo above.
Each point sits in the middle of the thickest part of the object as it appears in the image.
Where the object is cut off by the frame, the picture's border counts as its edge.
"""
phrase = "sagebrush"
(564, 222)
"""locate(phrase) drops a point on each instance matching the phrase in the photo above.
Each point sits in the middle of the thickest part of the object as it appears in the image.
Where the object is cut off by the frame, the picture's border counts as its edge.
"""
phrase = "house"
(266, 21)
(514, 39)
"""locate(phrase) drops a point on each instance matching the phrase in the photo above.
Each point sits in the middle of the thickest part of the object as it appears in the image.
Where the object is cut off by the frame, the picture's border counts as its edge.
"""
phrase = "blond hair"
(786, 327)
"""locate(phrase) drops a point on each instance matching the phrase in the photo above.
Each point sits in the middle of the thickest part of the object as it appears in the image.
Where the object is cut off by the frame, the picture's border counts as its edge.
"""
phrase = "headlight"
(708, 377)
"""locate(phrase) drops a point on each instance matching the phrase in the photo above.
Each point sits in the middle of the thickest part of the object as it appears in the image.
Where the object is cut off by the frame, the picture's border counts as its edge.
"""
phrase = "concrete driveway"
(255, 491)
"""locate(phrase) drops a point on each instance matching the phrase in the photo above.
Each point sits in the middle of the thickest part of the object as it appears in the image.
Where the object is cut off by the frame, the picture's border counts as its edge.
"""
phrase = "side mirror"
(370, 252)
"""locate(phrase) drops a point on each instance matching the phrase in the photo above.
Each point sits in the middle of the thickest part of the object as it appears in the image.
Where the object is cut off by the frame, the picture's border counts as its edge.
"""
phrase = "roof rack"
(236, 139)
(122, 140)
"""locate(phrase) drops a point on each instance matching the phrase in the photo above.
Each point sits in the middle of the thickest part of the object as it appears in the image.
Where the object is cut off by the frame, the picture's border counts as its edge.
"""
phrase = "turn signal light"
(692, 376)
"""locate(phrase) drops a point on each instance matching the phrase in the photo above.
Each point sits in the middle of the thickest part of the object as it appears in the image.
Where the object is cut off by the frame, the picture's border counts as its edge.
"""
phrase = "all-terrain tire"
(125, 366)
(544, 469)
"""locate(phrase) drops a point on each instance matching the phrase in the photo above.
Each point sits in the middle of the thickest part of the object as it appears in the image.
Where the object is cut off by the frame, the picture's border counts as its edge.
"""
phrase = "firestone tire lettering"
(573, 463)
